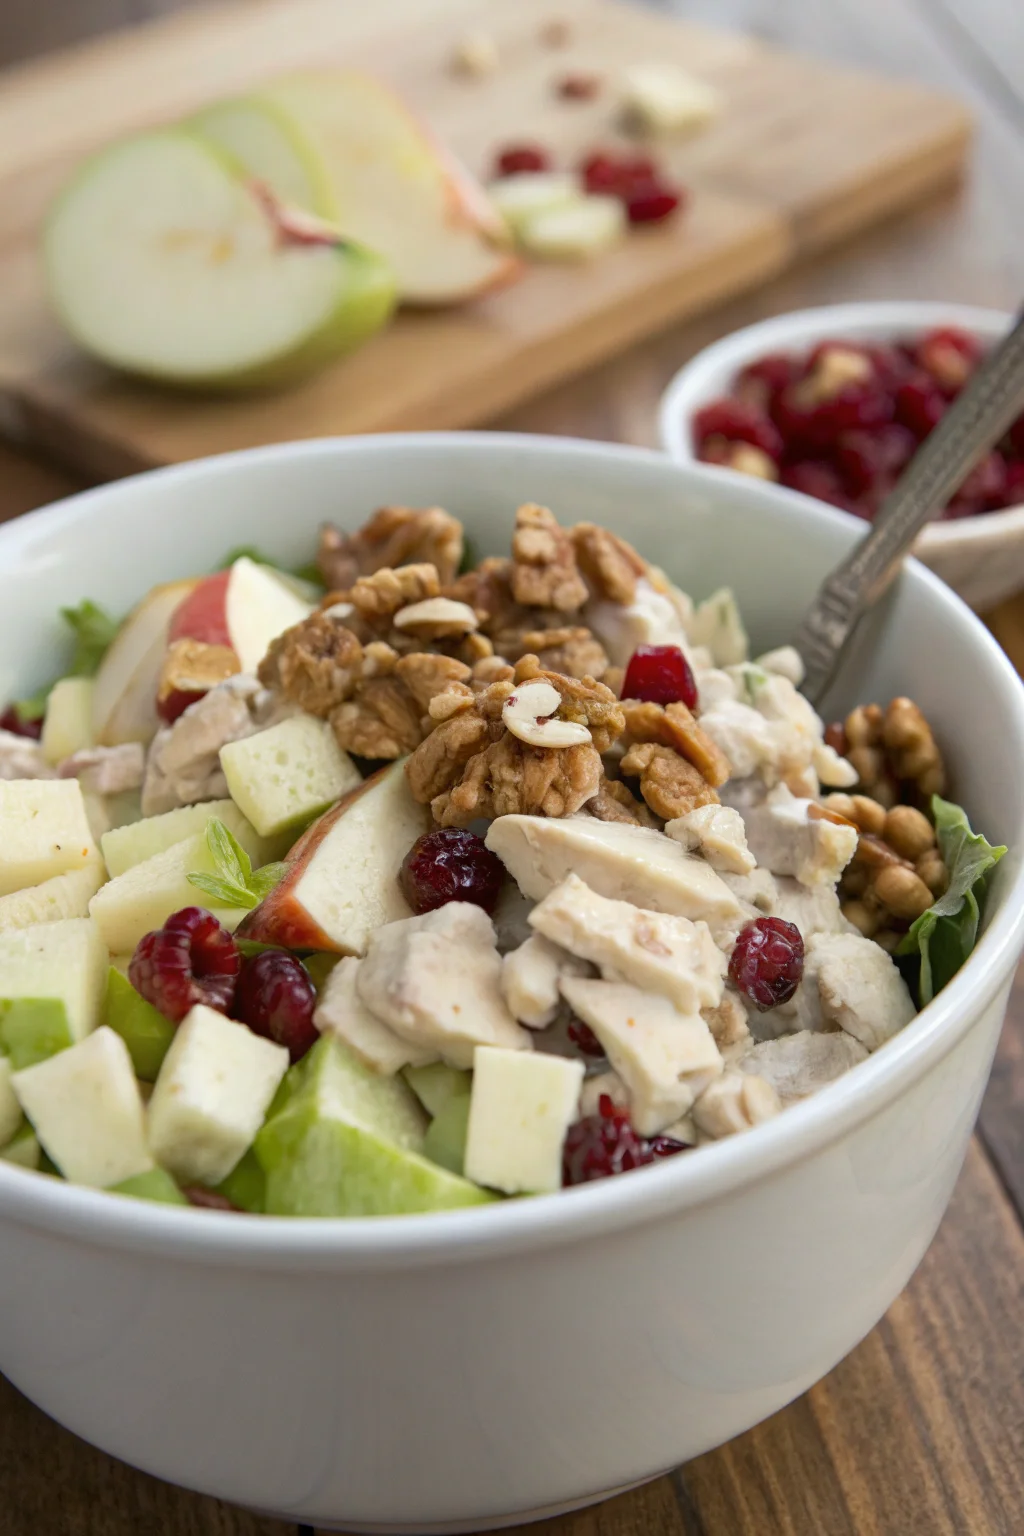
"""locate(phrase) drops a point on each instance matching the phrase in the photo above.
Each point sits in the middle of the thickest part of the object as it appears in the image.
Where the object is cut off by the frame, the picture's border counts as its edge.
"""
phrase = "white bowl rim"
(802, 327)
(380, 1243)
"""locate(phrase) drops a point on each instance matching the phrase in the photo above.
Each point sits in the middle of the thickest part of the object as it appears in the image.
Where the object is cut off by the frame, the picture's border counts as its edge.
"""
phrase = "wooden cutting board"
(804, 154)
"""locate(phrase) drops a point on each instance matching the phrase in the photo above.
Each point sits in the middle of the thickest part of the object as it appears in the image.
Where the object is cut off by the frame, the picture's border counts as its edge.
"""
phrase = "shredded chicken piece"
(22, 758)
(183, 765)
(393, 536)
(544, 573)
(610, 565)
(106, 770)
(670, 785)
(736, 1101)
(316, 664)
(727, 1021)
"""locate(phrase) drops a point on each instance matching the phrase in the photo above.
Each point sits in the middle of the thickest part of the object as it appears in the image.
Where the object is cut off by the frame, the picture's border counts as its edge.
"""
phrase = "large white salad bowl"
(465, 1370)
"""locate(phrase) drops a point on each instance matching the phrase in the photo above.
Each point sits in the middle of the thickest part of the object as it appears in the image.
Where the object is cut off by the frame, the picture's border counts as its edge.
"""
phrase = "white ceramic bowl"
(464, 1370)
(982, 558)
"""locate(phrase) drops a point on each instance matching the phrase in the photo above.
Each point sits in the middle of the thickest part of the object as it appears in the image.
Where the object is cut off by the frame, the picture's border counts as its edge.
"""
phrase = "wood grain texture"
(801, 157)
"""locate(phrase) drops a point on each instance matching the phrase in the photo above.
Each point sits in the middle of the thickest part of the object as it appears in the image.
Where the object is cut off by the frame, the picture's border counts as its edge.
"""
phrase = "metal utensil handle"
(976, 420)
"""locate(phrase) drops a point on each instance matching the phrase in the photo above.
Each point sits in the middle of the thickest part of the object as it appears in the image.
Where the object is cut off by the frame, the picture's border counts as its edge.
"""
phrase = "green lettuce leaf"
(944, 936)
(93, 630)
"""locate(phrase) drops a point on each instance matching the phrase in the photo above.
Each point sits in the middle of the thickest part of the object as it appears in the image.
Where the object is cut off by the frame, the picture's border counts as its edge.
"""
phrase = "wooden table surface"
(920, 1432)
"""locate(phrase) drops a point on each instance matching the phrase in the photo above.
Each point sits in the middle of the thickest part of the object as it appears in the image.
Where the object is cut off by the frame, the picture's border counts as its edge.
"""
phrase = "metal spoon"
(976, 421)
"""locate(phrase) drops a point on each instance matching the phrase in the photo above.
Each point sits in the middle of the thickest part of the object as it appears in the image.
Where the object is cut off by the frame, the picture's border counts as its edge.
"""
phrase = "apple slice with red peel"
(203, 614)
(342, 877)
(124, 696)
(244, 608)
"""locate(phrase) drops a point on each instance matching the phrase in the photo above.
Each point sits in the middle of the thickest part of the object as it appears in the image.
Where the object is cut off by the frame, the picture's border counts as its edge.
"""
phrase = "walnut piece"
(316, 664)
(610, 565)
(584, 701)
(615, 802)
(426, 675)
(510, 778)
(544, 573)
(572, 650)
(670, 784)
(393, 536)
(379, 597)
(382, 721)
(675, 726)
(440, 759)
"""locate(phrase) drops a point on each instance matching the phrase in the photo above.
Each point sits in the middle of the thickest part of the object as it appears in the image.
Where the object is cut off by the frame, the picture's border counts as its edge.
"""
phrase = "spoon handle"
(975, 421)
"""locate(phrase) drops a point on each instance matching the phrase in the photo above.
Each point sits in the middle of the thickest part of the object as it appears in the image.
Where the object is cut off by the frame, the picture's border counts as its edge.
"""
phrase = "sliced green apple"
(67, 724)
(282, 777)
(144, 1030)
(154, 1184)
(162, 260)
(23, 1149)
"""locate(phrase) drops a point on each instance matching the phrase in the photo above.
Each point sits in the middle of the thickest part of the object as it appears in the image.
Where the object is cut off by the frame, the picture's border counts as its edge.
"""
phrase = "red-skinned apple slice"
(203, 614)
(245, 608)
(342, 879)
(124, 697)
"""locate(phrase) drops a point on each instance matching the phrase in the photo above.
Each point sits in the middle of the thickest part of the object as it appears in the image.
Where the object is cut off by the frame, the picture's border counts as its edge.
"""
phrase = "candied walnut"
(675, 726)
(487, 590)
(383, 720)
(491, 669)
(379, 597)
(315, 664)
(438, 761)
(572, 650)
(670, 784)
(394, 536)
(610, 565)
(544, 573)
(614, 802)
(510, 778)
(894, 752)
(584, 701)
(426, 675)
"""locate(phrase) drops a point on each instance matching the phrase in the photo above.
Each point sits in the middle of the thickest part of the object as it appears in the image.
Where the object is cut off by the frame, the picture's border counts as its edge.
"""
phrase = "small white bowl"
(982, 558)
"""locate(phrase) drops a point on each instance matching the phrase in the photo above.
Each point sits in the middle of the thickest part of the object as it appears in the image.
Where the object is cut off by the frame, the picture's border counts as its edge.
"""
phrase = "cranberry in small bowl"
(832, 402)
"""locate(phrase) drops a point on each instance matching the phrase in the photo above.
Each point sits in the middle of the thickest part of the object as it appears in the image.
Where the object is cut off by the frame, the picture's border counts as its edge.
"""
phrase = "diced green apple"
(282, 777)
(163, 260)
(246, 1185)
(214, 1088)
(54, 899)
(144, 897)
(129, 845)
(346, 1142)
(436, 1084)
(67, 724)
(522, 1104)
(519, 198)
(44, 831)
(23, 1149)
(144, 1030)
(87, 1111)
(155, 1184)
(10, 1104)
(125, 687)
(445, 1141)
(52, 983)
(574, 231)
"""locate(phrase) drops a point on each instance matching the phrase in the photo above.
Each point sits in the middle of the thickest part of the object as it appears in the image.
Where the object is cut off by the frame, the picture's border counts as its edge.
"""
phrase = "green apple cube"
(144, 1030)
(283, 777)
(214, 1088)
(23, 1149)
(67, 724)
(44, 831)
(87, 1111)
(155, 1184)
(59, 897)
(10, 1104)
(53, 979)
(436, 1084)
(521, 1106)
(126, 846)
(144, 897)
(246, 1185)
(445, 1141)
(344, 1141)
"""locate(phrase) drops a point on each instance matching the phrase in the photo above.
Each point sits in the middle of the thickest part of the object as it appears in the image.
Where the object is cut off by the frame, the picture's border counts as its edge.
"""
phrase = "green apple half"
(164, 260)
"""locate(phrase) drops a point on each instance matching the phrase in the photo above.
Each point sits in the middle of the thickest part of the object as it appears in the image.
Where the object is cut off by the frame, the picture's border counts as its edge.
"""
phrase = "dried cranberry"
(175, 704)
(276, 998)
(817, 477)
(767, 961)
(450, 865)
(738, 422)
(950, 356)
(1016, 437)
(920, 404)
(866, 459)
(191, 959)
(519, 158)
(984, 489)
(583, 1036)
(615, 174)
(857, 406)
(761, 381)
(652, 201)
(11, 721)
(578, 87)
(660, 674)
(604, 1144)
(1014, 484)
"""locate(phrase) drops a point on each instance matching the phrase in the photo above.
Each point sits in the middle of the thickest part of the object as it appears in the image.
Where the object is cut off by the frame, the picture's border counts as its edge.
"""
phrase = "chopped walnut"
(610, 565)
(572, 650)
(440, 759)
(192, 666)
(670, 784)
(315, 664)
(488, 591)
(675, 726)
(614, 802)
(382, 721)
(491, 669)
(584, 701)
(510, 778)
(394, 536)
(426, 675)
(377, 598)
(544, 573)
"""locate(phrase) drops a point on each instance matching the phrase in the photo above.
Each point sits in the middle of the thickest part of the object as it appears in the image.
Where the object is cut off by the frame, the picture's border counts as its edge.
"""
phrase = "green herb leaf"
(945, 935)
(33, 708)
(224, 892)
(228, 854)
(263, 880)
(470, 558)
(94, 630)
(310, 572)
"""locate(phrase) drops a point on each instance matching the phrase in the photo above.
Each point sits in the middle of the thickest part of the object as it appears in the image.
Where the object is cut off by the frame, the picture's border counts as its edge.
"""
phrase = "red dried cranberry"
(950, 356)
(615, 174)
(604, 1144)
(767, 962)
(920, 404)
(276, 998)
(984, 489)
(660, 674)
(1016, 437)
(652, 201)
(519, 158)
(738, 422)
(578, 87)
(857, 406)
(816, 477)
(583, 1036)
(175, 704)
(11, 721)
(1014, 484)
(191, 959)
(206, 1199)
(836, 738)
(761, 381)
(867, 459)
(450, 865)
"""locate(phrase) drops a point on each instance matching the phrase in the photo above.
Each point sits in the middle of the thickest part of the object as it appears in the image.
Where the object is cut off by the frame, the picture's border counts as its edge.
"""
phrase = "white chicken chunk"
(812, 908)
(717, 832)
(757, 890)
(22, 758)
(860, 987)
(798, 1065)
(792, 837)
(341, 1011)
(106, 770)
(435, 980)
(183, 766)
(786, 660)
(665, 1058)
(657, 952)
(529, 980)
(736, 1101)
(652, 618)
(727, 1021)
